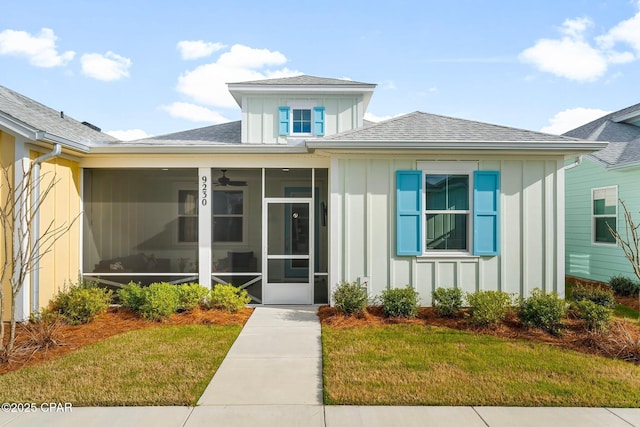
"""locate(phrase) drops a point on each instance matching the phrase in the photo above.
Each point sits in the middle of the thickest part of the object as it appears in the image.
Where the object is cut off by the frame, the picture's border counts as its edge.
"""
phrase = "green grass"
(168, 365)
(416, 365)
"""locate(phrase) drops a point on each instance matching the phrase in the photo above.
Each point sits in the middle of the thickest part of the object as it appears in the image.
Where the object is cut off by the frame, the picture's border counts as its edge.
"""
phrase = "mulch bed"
(574, 335)
(114, 321)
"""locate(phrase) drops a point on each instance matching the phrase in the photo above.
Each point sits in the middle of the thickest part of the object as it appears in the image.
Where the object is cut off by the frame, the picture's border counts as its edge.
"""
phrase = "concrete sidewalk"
(272, 376)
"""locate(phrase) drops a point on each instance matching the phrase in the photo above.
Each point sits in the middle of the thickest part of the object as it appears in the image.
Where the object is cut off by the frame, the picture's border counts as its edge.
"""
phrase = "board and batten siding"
(363, 240)
(585, 259)
(61, 208)
(7, 156)
(260, 116)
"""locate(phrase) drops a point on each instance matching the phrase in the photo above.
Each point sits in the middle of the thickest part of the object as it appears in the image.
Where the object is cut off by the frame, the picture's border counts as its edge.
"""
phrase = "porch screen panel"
(140, 221)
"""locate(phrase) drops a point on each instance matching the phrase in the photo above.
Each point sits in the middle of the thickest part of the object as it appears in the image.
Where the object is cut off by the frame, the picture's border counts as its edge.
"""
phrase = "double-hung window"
(228, 216)
(447, 212)
(604, 202)
(447, 208)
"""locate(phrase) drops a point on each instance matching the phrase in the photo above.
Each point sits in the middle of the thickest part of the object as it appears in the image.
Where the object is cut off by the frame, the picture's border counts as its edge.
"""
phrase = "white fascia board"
(509, 146)
(238, 91)
(20, 128)
(125, 148)
(629, 117)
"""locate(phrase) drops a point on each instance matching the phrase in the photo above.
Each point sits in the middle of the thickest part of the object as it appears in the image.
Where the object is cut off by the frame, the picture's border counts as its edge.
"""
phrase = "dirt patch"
(574, 336)
(114, 321)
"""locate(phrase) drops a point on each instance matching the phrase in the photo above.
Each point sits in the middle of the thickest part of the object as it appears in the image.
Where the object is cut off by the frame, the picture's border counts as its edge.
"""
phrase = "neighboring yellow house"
(35, 136)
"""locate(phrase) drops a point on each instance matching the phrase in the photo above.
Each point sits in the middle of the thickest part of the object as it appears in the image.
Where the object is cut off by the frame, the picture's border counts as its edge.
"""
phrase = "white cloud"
(128, 135)
(572, 118)
(576, 58)
(373, 118)
(40, 49)
(571, 57)
(107, 67)
(195, 113)
(206, 84)
(195, 49)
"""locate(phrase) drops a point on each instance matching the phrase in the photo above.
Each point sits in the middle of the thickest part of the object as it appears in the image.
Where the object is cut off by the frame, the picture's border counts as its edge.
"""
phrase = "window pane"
(188, 229)
(227, 202)
(605, 201)
(227, 229)
(447, 231)
(447, 192)
(188, 202)
(436, 192)
(603, 235)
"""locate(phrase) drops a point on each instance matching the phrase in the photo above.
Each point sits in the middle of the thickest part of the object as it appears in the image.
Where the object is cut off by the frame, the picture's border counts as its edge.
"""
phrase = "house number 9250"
(204, 188)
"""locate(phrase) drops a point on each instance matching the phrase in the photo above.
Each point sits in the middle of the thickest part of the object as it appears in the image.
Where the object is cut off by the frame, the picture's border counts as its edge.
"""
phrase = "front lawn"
(407, 364)
(165, 365)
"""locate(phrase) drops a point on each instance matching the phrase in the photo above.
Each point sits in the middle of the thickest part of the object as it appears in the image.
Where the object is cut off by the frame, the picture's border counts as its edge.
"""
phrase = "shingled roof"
(424, 127)
(305, 80)
(624, 138)
(34, 115)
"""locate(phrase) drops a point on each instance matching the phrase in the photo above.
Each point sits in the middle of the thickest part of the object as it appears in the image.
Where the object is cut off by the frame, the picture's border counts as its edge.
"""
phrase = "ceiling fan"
(224, 181)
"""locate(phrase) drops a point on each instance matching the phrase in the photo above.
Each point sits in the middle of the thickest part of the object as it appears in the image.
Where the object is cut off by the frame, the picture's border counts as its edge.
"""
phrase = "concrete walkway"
(272, 376)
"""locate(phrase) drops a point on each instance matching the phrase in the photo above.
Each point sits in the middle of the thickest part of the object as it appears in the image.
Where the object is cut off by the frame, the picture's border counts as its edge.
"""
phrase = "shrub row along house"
(299, 195)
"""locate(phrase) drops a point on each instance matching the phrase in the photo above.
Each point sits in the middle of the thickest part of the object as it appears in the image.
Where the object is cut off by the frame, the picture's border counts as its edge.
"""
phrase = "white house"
(302, 193)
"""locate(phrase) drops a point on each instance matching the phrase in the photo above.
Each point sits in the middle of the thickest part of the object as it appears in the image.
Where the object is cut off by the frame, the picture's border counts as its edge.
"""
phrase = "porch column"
(204, 226)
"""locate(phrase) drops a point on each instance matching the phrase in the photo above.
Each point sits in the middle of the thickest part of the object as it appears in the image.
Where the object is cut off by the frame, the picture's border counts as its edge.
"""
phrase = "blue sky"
(138, 67)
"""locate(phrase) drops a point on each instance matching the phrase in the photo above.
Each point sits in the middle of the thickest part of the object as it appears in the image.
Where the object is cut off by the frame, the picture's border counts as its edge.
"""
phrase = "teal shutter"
(318, 121)
(283, 121)
(486, 213)
(409, 212)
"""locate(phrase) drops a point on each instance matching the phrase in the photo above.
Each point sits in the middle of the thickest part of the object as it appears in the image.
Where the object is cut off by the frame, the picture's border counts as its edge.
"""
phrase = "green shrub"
(543, 310)
(228, 298)
(596, 294)
(400, 302)
(350, 298)
(486, 308)
(597, 317)
(191, 295)
(624, 286)
(447, 301)
(81, 303)
(159, 301)
(131, 296)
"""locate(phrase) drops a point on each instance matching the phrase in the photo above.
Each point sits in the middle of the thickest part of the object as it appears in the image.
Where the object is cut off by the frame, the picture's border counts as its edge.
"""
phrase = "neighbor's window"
(447, 211)
(605, 212)
(228, 216)
(301, 121)
(187, 216)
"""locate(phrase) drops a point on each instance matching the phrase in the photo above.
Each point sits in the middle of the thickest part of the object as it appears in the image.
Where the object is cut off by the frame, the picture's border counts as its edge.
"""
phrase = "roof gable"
(303, 80)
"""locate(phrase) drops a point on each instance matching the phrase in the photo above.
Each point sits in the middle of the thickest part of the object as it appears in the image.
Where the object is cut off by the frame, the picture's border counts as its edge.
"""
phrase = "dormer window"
(301, 120)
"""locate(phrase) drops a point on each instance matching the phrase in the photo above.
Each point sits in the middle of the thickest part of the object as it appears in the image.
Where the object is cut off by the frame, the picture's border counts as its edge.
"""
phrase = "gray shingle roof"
(40, 117)
(303, 80)
(225, 133)
(624, 138)
(419, 126)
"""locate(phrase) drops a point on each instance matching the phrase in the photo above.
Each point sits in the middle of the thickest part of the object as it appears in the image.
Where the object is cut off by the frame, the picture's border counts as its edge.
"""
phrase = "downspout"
(35, 230)
(578, 162)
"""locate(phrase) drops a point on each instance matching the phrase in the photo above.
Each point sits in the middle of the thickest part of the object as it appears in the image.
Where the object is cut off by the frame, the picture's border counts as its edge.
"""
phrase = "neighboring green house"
(595, 184)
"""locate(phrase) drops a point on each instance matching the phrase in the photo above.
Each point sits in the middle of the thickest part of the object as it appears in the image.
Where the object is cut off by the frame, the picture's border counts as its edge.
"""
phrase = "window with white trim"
(447, 206)
(604, 211)
(447, 213)
(301, 121)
